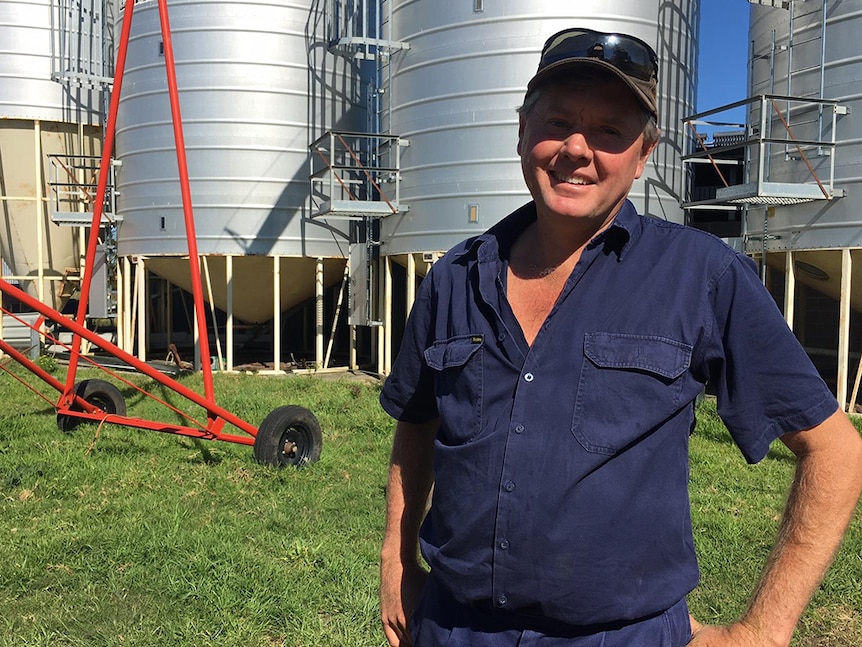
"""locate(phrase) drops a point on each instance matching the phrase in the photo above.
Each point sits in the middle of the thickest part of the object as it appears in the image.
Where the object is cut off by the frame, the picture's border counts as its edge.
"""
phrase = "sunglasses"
(630, 55)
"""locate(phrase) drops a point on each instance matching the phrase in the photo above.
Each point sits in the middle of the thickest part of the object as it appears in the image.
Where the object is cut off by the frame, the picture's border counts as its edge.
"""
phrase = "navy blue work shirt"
(561, 468)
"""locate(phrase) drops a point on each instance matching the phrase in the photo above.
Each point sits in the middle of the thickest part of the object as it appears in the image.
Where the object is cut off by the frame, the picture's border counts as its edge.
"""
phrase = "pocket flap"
(453, 352)
(659, 355)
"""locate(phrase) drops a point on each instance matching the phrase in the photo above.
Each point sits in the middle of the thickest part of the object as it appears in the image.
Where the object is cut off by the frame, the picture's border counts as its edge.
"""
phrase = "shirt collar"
(495, 243)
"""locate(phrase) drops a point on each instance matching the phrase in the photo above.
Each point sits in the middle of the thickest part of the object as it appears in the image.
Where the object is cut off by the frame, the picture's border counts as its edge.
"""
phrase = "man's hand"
(400, 589)
(736, 635)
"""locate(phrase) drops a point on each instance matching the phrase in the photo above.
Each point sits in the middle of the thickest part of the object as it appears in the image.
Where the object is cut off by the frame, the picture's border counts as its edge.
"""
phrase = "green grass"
(120, 536)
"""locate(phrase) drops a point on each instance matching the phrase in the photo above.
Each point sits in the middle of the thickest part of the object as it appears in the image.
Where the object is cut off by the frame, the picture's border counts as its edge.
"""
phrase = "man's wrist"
(755, 633)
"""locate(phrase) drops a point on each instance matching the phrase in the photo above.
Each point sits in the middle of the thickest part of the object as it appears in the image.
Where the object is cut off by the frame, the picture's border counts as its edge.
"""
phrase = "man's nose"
(576, 145)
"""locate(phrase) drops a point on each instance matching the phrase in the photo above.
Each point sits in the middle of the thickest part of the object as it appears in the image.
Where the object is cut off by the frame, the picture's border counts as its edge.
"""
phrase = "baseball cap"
(629, 58)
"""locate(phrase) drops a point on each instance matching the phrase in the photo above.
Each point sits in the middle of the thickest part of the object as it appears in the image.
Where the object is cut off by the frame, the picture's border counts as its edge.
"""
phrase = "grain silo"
(53, 61)
(256, 85)
(805, 61)
(453, 96)
(456, 89)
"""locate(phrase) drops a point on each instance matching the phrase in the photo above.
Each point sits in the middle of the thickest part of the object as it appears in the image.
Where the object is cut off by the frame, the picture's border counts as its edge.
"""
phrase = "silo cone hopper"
(289, 435)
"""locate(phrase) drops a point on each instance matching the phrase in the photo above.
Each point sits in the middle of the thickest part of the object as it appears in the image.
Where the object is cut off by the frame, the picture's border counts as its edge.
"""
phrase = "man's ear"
(646, 150)
(648, 147)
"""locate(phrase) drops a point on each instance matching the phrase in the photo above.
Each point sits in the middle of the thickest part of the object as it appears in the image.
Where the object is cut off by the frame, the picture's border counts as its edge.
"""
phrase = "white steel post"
(789, 290)
(141, 282)
(228, 277)
(387, 315)
(411, 282)
(318, 323)
(276, 313)
(844, 328)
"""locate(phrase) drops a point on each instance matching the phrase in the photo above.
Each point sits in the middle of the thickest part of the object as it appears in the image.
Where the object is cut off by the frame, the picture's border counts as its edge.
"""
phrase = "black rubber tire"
(98, 392)
(288, 425)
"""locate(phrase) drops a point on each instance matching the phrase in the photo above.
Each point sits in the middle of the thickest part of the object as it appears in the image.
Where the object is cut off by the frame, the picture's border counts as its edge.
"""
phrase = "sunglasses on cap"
(630, 55)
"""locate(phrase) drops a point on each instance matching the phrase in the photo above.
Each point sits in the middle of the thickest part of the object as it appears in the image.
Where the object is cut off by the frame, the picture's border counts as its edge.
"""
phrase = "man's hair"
(581, 79)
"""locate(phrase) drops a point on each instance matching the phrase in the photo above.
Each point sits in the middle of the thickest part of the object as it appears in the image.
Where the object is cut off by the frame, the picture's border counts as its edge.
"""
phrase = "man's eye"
(557, 123)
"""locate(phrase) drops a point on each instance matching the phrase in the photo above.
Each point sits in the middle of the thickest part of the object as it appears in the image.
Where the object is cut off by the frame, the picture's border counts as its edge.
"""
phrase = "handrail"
(799, 149)
(763, 111)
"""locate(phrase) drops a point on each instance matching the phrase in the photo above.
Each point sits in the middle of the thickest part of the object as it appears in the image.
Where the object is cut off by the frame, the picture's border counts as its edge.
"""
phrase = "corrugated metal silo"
(455, 91)
(810, 50)
(244, 81)
(42, 113)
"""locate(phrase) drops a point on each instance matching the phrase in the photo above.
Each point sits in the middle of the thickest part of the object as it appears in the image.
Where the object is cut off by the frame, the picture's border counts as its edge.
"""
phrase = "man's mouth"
(579, 181)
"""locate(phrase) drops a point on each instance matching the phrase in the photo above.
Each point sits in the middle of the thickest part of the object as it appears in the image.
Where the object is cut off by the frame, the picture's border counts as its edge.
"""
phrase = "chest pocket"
(458, 383)
(629, 384)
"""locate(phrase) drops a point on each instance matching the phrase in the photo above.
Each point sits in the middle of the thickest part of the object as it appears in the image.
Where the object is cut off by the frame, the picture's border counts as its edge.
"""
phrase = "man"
(545, 389)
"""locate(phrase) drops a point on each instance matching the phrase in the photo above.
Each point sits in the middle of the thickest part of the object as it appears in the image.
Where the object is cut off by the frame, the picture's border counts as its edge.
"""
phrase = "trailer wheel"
(289, 435)
(97, 392)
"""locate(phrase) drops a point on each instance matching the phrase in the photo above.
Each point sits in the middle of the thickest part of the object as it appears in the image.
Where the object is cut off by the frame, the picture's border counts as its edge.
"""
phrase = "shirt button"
(502, 600)
(528, 377)
(504, 545)
(519, 429)
(502, 337)
(509, 486)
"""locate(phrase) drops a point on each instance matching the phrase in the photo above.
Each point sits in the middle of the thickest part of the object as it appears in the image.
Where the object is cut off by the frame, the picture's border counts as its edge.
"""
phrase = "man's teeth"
(571, 180)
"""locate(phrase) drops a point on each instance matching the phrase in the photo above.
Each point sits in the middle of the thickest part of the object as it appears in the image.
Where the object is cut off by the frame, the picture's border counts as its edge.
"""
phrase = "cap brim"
(644, 91)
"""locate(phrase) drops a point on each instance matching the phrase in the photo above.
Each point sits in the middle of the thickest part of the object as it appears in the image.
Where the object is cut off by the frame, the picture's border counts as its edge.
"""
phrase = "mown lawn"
(118, 536)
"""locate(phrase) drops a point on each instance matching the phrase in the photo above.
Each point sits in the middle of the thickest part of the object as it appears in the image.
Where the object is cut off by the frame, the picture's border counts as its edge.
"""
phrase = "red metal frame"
(69, 403)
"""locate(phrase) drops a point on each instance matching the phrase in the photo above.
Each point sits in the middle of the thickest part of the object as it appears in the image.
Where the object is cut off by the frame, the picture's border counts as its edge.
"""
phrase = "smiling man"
(545, 392)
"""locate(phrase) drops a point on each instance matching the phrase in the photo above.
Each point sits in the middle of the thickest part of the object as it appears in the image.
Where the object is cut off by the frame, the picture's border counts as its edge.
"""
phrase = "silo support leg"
(126, 311)
(141, 298)
(844, 327)
(387, 315)
(40, 223)
(789, 290)
(411, 282)
(228, 279)
(318, 302)
(381, 336)
(276, 313)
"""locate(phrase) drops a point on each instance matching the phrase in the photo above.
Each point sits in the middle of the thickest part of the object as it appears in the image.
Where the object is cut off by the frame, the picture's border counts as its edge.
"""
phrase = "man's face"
(581, 149)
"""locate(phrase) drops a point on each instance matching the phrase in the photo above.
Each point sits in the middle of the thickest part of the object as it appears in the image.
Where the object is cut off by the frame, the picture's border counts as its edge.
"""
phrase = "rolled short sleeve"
(765, 383)
(408, 393)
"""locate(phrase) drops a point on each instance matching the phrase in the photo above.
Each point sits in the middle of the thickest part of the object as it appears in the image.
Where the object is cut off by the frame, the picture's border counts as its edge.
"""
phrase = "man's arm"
(820, 505)
(411, 474)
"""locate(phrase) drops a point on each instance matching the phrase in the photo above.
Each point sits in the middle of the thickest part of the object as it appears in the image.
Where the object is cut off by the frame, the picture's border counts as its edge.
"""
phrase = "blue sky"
(723, 67)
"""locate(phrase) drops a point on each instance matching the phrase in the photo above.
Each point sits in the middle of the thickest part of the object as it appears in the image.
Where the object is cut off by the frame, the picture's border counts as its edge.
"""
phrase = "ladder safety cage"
(355, 29)
(80, 53)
